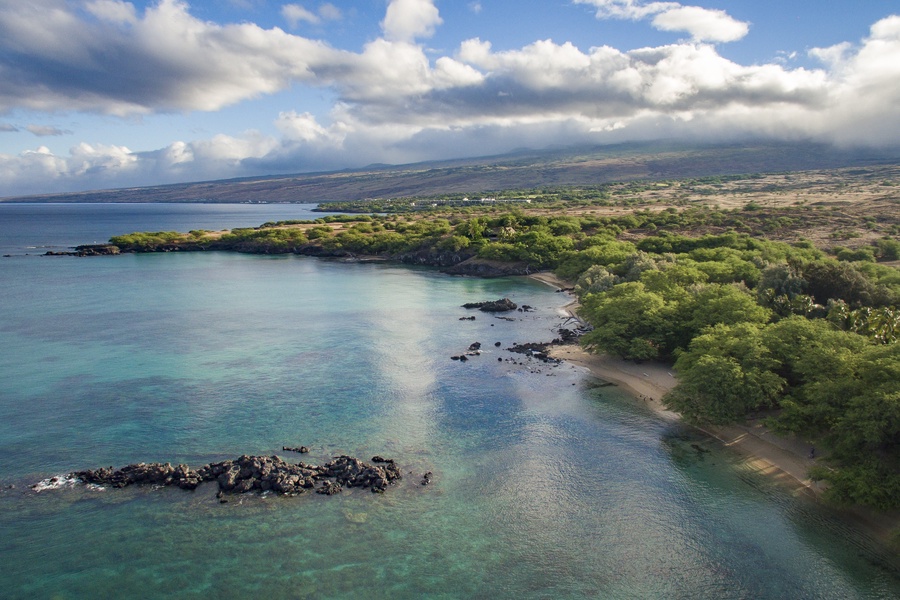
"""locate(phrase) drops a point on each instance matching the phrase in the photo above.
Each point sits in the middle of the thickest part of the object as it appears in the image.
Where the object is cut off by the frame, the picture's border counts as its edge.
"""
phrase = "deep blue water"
(37, 228)
(545, 484)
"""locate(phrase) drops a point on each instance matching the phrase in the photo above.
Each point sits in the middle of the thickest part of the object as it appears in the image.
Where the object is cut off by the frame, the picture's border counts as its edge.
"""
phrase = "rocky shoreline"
(253, 474)
(455, 263)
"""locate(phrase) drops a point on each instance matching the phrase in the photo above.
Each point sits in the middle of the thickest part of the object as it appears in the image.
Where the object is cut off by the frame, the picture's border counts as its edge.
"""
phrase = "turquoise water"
(545, 484)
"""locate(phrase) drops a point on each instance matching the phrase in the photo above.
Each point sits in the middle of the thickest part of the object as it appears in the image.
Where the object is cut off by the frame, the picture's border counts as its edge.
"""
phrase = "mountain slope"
(521, 170)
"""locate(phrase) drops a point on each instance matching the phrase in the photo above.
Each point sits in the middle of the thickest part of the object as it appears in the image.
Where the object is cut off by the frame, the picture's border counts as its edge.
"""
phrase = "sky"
(98, 94)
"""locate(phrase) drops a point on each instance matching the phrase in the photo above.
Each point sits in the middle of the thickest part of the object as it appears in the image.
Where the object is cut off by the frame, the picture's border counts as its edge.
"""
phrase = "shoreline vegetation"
(783, 458)
(779, 316)
(765, 451)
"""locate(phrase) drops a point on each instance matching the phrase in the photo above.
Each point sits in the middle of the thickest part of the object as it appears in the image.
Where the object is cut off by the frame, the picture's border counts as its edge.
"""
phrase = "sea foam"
(56, 482)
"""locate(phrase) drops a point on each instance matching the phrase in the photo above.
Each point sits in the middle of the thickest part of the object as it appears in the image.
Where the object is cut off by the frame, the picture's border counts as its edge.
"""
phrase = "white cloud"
(634, 10)
(397, 102)
(165, 60)
(232, 150)
(304, 127)
(177, 153)
(99, 165)
(294, 14)
(703, 24)
(833, 56)
(407, 20)
(450, 73)
(384, 72)
(97, 158)
(864, 103)
(31, 168)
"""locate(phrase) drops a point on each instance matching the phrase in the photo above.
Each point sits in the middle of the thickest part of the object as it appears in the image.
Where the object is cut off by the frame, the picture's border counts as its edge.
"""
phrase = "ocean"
(546, 483)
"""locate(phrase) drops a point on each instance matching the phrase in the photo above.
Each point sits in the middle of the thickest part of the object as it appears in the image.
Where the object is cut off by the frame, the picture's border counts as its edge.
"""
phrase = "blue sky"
(107, 93)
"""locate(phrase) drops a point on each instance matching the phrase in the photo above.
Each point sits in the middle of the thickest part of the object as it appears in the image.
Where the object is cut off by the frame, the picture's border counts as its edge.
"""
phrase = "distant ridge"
(523, 169)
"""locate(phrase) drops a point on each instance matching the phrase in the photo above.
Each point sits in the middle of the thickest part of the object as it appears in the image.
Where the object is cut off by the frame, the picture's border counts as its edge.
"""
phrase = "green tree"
(601, 250)
(817, 361)
(628, 321)
(717, 304)
(595, 279)
(780, 280)
(863, 427)
(829, 279)
(726, 373)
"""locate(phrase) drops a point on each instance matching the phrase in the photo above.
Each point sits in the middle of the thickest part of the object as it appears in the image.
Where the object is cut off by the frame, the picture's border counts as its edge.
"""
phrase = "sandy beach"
(784, 458)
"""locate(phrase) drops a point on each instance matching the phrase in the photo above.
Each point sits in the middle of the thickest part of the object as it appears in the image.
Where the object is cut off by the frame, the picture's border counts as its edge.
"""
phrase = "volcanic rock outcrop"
(255, 474)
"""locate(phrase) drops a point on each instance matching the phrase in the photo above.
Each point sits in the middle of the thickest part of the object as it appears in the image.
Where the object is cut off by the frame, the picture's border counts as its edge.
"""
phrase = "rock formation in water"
(540, 350)
(502, 305)
(88, 250)
(255, 473)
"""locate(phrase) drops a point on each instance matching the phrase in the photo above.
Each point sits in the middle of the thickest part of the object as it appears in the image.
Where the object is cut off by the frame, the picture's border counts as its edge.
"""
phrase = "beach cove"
(545, 483)
(649, 382)
(785, 459)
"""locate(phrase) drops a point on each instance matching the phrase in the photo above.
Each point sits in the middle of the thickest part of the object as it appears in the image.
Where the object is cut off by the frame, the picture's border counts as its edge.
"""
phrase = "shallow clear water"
(545, 484)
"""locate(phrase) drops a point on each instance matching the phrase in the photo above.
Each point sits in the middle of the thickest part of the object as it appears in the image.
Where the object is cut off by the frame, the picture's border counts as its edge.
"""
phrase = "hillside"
(525, 169)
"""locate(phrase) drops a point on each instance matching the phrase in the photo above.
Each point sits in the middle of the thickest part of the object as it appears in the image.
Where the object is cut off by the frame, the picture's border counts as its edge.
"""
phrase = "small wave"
(55, 483)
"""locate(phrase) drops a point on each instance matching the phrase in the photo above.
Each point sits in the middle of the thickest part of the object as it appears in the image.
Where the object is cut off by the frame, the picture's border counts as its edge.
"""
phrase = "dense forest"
(787, 331)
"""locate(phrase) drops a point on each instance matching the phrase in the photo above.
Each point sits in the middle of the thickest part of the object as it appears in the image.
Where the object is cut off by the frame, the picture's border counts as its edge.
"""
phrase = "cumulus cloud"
(52, 58)
(96, 158)
(551, 78)
(296, 127)
(98, 164)
(703, 24)
(407, 20)
(398, 102)
(864, 96)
